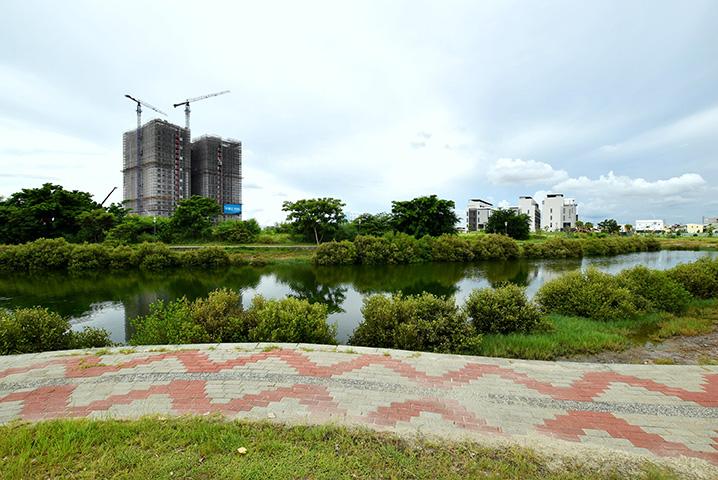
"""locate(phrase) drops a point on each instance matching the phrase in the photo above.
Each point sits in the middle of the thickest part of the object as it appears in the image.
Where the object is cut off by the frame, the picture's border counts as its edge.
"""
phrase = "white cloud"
(687, 129)
(627, 198)
(617, 185)
(509, 171)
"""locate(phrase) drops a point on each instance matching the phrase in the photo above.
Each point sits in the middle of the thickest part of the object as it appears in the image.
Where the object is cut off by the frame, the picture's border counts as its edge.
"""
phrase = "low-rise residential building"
(477, 214)
(558, 213)
(650, 225)
(694, 227)
(529, 206)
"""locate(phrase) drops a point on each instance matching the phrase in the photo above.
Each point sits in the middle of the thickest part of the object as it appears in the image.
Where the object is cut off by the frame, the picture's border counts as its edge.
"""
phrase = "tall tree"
(194, 217)
(609, 225)
(424, 216)
(377, 225)
(509, 222)
(315, 218)
(49, 211)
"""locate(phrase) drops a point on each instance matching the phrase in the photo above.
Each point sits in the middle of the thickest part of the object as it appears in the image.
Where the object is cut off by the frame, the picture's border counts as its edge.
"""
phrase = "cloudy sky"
(614, 103)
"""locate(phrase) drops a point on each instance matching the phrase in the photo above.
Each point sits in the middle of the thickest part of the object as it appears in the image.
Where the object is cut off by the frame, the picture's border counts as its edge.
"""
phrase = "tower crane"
(140, 103)
(190, 100)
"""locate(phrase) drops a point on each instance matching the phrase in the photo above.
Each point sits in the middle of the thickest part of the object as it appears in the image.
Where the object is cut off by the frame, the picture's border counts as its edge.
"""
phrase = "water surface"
(110, 300)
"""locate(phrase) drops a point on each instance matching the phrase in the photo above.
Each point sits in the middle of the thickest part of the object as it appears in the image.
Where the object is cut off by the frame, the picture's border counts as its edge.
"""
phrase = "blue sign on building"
(232, 208)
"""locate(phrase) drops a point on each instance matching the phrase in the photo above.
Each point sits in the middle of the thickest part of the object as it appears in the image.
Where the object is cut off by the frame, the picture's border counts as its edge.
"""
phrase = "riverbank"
(209, 448)
(576, 416)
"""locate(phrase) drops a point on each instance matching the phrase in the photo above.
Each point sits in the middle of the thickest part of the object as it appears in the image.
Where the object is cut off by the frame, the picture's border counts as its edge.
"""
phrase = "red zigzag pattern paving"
(660, 411)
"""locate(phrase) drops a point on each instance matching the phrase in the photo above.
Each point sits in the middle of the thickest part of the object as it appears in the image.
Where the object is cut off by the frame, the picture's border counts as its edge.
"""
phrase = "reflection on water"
(110, 300)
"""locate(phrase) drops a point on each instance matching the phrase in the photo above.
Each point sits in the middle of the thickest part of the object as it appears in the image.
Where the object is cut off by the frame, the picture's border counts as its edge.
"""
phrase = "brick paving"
(655, 411)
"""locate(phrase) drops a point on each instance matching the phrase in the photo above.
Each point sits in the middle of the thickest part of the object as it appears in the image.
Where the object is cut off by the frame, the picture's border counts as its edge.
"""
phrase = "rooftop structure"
(155, 182)
(477, 214)
(217, 172)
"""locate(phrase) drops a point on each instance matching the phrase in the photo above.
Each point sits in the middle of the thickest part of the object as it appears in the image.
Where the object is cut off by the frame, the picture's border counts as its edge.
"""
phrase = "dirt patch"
(701, 350)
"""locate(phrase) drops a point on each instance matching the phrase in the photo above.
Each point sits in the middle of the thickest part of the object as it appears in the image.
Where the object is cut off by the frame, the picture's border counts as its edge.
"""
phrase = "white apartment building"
(558, 213)
(477, 214)
(694, 227)
(528, 206)
(650, 225)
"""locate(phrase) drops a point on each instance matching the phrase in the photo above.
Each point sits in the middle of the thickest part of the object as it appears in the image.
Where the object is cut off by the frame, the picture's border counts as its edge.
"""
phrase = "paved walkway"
(656, 411)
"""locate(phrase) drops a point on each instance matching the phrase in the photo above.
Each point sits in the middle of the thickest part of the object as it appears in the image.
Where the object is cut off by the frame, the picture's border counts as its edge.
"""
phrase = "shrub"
(495, 246)
(221, 318)
(88, 257)
(423, 322)
(374, 250)
(208, 257)
(27, 330)
(237, 231)
(335, 253)
(555, 248)
(655, 289)
(700, 278)
(450, 248)
(13, 258)
(407, 248)
(89, 337)
(168, 323)
(289, 320)
(155, 256)
(122, 257)
(47, 254)
(502, 310)
(590, 294)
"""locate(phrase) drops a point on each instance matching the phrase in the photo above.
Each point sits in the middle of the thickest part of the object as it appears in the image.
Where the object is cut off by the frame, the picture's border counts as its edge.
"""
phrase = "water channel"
(111, 300)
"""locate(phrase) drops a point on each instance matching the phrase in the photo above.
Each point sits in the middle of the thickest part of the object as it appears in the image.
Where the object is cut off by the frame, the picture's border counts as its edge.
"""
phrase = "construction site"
(162, 166)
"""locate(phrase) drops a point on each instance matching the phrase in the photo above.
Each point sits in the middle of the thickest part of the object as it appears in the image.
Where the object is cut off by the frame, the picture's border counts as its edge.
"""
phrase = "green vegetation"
(504, 309)
(424, 216)
(208, 448)
(402, 248)
(422, 322)
(510, 223)
(221, 318)
(569, 336)
(699, 278)
(315, 218)
(28, 330)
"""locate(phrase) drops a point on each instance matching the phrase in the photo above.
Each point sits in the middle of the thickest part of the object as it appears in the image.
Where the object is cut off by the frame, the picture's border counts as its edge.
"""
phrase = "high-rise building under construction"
(169, 168)
(217, 172)
(156, 168)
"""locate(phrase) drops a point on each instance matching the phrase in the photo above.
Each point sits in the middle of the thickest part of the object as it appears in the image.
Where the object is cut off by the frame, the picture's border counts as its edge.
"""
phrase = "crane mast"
(190, 100)
(139, 185)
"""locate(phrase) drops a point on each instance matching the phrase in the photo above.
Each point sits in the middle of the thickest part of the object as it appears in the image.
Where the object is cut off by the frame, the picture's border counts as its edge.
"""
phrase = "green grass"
(207, 448)
(576, 336)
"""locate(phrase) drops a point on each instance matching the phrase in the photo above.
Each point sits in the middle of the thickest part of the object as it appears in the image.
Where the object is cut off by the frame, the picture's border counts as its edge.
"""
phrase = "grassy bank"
(208, 448)
(576, 336)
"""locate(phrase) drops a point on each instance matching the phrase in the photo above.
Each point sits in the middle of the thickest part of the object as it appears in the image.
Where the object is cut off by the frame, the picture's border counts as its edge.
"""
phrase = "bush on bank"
(502, 310)
(29, 330)
(423, 322)
(399, 248)
(591, 294)
(655, 290)
(700, 278)
(221, 318)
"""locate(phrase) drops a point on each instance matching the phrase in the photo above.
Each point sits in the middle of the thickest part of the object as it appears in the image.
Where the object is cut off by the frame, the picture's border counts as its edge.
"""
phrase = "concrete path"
(660, 412)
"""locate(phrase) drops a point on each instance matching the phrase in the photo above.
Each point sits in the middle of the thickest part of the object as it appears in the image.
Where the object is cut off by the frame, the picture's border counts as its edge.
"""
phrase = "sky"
(613, 103)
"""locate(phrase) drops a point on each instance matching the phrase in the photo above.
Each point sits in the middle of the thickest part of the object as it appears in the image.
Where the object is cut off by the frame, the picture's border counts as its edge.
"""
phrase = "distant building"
(477, 214)
(710, 220)
(650, 226)
(155, 169)
(694, 228)
(217, 173)
(528, 206)
(558, 213)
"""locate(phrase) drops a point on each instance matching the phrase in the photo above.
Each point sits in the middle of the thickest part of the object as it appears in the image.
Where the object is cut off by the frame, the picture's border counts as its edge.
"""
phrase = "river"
(111, 300)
